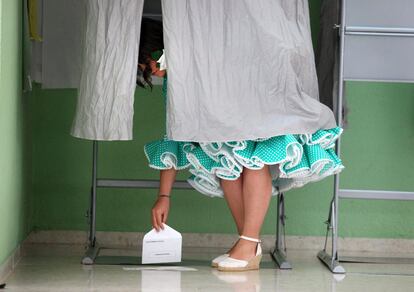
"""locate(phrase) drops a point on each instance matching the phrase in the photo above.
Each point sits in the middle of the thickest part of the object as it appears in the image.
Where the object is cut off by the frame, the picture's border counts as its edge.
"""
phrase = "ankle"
(250, 235)
(249, 242)
(248, 247)
(249, 239)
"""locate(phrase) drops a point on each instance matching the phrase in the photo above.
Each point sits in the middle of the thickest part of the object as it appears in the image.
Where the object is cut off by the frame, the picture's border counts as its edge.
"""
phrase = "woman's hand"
(159, 212)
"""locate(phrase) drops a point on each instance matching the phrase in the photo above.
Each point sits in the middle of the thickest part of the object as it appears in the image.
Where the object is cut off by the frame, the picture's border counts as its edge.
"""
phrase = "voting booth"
(376, 44)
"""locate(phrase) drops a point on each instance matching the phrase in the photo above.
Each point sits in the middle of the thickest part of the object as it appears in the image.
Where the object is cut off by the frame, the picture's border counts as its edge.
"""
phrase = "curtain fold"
(105, 104)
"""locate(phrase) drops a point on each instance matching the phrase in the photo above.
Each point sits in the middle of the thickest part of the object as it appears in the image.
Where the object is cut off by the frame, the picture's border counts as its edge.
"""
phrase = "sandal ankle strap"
(250, 238)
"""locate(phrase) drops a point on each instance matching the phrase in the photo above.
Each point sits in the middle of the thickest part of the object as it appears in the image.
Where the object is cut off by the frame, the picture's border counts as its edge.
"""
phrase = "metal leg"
(93, 248)
(331, 260)
(279, 252)
(92, 252)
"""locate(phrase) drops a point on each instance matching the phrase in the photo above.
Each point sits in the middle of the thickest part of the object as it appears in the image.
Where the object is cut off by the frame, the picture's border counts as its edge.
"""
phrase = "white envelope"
(161, 247)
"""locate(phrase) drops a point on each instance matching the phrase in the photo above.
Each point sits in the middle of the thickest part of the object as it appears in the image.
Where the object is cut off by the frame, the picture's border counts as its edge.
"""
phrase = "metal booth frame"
(278, 253)
(354, 37)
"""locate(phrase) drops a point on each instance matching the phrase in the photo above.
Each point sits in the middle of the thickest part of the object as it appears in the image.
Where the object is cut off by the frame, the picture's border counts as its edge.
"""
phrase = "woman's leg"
(233, 193)
(257, 191)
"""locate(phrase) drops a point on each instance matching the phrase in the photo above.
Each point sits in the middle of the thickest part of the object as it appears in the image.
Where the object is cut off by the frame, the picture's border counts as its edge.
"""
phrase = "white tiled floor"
(58, 268)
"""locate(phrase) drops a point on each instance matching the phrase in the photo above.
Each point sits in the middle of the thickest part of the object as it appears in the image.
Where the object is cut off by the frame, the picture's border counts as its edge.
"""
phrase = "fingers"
(154, 221)
(158, 217)
(164, 217)
(159, 214)
(157, 220)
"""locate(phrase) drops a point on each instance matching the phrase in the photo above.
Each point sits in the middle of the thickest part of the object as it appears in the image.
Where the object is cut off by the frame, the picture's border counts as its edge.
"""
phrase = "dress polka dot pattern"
(296, 162)
(165, 154)
(296, 159)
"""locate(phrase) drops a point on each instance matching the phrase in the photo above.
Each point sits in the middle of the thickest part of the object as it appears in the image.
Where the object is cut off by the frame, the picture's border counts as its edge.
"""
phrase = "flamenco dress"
(294, 159)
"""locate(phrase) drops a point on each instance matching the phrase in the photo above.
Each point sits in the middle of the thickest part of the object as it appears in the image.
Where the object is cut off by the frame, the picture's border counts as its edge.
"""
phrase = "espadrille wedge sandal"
(216, 260)
(232, 264)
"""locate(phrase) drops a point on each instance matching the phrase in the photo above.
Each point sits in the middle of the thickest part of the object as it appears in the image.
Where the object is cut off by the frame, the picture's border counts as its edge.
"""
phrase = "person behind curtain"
(166, 155)
(246, 173)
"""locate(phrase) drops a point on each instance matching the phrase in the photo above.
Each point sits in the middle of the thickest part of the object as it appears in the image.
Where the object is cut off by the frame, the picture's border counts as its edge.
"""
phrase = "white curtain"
(240, 70)
(105, 105)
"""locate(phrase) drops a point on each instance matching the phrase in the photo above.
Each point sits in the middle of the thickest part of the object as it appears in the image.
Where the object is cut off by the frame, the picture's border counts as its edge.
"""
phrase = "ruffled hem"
(294, 160)
(166, 154)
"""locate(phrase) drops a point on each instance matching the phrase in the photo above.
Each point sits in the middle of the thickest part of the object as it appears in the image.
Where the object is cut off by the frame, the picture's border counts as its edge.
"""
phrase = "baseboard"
(11, 262)
(219, 240)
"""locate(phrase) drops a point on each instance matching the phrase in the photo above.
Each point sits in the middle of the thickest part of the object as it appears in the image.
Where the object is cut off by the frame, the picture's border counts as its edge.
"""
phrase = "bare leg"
(257, 189)
(233, 193)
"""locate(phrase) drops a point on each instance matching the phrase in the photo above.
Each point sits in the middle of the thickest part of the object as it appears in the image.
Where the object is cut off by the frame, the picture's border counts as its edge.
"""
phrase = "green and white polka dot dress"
(165, 153)
(294, 159)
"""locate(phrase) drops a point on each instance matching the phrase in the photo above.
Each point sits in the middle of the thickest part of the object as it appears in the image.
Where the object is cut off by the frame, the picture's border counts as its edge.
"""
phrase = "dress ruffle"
(294, 159)
(166, 154)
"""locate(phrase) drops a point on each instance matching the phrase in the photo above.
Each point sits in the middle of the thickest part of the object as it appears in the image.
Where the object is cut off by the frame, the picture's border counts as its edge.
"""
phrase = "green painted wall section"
(377, 153)
(15, 140)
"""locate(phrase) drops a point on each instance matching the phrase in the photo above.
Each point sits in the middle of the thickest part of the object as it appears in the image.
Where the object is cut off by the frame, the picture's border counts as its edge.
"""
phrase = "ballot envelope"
(163, 246)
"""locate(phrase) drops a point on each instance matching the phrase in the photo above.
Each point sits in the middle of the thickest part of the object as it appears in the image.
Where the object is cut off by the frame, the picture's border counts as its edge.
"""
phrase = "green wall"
(15, 138)
(377, 153)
